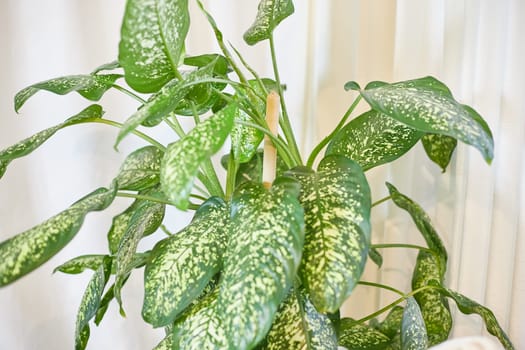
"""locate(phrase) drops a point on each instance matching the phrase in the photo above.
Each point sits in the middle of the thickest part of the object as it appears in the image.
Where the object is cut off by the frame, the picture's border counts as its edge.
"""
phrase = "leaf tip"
(352, 85)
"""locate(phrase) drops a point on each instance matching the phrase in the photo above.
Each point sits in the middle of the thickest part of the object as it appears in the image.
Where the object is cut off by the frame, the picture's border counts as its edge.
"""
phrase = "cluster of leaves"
(256, 268)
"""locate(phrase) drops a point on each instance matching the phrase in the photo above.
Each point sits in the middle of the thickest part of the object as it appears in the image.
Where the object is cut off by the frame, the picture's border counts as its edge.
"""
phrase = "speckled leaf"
(373, 139)
(119, 225)
(468, 306)
(261, 260)
(413, 331)
(439, 148)
(391, 325)
(26, 251)
(104, 304)
(336, 201)
(164, 101)
(166, 343)
(140, 169)
(182, 265)
(299, 326)
(81, 263)
(269, 14)
(90, 303)
(427, 105)
(152, 41)
(28, 145)
(148, 214)
(360, 337)
(183, 158)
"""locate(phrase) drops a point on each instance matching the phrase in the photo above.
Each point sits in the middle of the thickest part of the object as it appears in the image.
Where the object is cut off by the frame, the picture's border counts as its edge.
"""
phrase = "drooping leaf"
(182, 265)
(91, 87)
(427, 105)
(28, 145)
(391, 325)
(439, 148)
(375, 256)
(357, 336)
(298, 326)
(90, 303)
(183, 158)
(26, 251)
(152, 42)
(81, 263)
(336, 201)
(413, 331)
(104, 304)
(269, 14)
(140, 169)
(263, 254)
(373, 139)
(106, 66)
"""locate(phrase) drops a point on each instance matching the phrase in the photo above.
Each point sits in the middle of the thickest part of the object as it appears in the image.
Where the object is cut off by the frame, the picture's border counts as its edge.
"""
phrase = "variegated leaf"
(148, 214)
(119, 225)
(90, 303)
(152, 42)
(427, 105)
(28, 145)
(357, 336)
(140, 169)
(269, 14)
(439, 148)
(81, 263)
(413, 331)
(104, 303)
(90, 86)
(183, 158)
(182, 265)
(261, 260)
(336, 201)
(298, 325)
(165, 344)
(391, 325)
(26, 251)
(373, 139)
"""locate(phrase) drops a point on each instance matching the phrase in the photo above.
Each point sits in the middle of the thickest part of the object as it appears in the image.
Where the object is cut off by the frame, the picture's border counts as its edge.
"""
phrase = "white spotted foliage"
(357, 336)
(269, 14)
(140, 169)
(439, 148)
(413, 331)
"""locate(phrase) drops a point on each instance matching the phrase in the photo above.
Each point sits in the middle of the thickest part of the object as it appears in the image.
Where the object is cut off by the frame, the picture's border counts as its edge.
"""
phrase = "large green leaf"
(152, 41)
(439, 148)
(140, 169)
(28, 145)
(90, 303)
(81, 263)
(263, 254)
(355, 336)
(391, 325)
(373, 139)
(336, 201)
(182, 265)
(269, 14)
(183, 158)
(427, 105)
(26, 251)
(298, 325)
(413, 331)
(89, 86)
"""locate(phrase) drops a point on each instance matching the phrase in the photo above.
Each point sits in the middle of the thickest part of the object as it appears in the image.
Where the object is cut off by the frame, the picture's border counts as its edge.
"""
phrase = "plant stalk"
(270, 152)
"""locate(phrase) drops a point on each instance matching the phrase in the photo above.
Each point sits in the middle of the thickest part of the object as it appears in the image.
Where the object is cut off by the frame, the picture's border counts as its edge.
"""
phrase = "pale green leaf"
(439, 148)
(182, 159)
(81, 263)
(140, 169)
(373, 139)
(336, 201)
(427, 105)
(391, 325)
(165, 344)
(106, 66)
(357, 336)
(413, 331)
(269, 14)
(152, 42)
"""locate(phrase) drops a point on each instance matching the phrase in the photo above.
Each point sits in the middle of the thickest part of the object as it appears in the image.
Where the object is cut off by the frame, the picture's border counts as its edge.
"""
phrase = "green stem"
(381, 201)
(196, 196)
(174, 124)
(151, 199)
(382, 286)
(285, 120)
(402, 245)
(251, 70)
(327, 139)
(129, 93)
(231, 175)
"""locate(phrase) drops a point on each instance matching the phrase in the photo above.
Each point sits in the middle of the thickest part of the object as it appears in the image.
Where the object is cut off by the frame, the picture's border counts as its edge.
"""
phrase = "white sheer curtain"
(475, 47)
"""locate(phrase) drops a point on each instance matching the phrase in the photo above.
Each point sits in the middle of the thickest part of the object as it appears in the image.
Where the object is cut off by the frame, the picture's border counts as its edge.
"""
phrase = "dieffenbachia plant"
(262, 265)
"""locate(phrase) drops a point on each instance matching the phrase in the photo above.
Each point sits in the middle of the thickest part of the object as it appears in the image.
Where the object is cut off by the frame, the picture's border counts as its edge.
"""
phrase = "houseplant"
(260, 255)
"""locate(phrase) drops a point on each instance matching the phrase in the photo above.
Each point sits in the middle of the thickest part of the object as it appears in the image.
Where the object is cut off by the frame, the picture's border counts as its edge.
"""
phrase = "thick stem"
(270, 152)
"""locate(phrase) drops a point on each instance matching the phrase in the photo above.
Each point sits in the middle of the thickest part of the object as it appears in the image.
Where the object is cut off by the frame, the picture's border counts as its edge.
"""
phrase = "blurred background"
(475, 46)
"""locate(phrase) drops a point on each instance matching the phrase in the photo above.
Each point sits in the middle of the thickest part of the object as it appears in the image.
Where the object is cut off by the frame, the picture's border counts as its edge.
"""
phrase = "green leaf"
(152, 42)
(357, 336)
(166, 343)
(91, 87)
(375, 256)
(336, 201)
(183, 158)
(90, 303)
(439, 148)
(373, 139)
(81, 263)
(104, 304)
(26, 251)
(222, 67)
(391, 325)
(106, 66)
(261, 261)
(413, 331)
(298, 325)
(28, 145)
(427, 105)
(140, 169)
(269, 14)
(182, 265)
